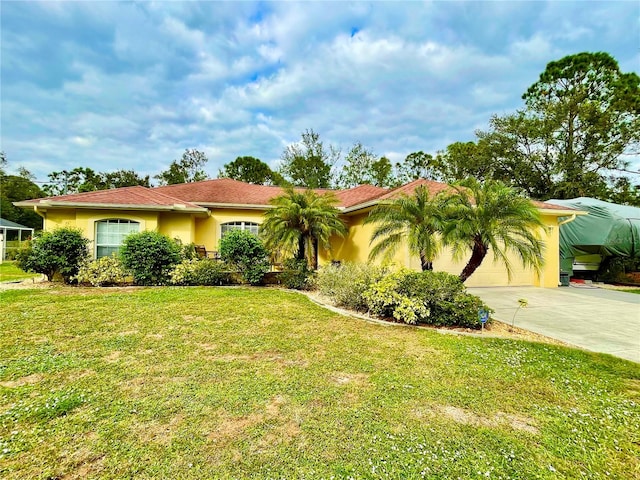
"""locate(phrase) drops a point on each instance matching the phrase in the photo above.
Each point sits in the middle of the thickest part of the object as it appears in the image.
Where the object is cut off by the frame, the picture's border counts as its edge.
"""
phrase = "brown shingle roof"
(359, 194)
(408, 189)
(222, 190)
(138, 196)
(550, 206)
(234, 192)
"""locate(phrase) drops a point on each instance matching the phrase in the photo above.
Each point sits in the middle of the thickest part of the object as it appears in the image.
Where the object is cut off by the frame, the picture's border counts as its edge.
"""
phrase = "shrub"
(199, 272)
(187, 251)
(102, 272)
(58, 252)
(436, 298)
(150, 257)
(244, 251)
(446, 297)
(297, 275)
(385, 298)
(346, 283)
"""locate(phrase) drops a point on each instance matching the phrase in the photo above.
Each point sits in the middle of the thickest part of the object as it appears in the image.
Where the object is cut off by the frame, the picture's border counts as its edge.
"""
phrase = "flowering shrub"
(102, 272)
(346, 283)
(435, 298)
(199, 272)
(446, 297)
(385, 298)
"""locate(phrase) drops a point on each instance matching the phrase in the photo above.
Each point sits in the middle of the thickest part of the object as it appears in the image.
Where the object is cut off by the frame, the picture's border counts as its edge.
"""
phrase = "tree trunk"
(310, 253)
(425, 263)
(477, 256)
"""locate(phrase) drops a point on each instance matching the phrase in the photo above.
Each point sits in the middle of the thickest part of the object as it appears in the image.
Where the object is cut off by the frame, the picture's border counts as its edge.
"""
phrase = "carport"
(596, 319)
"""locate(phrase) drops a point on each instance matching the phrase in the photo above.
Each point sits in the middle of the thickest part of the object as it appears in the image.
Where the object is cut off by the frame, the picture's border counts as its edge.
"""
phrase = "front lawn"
(10, 272)
(261, 383)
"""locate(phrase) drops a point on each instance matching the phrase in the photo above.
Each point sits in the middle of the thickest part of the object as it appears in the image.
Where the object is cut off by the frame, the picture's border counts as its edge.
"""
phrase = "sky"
(131, 85)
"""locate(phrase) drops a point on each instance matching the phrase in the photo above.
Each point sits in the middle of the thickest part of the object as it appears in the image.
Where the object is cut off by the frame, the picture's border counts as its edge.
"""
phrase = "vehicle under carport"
(609, 230)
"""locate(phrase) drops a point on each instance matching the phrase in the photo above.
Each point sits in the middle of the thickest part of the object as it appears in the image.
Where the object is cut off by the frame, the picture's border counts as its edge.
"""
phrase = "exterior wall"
(550, 275)
(85, 220)
(207, 231)
(176, 225)
(355, 248)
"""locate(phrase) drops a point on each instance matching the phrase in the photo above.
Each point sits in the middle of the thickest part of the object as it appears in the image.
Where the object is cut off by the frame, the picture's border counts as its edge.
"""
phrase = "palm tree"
(418, 218)
(300, 220)
(492, 216)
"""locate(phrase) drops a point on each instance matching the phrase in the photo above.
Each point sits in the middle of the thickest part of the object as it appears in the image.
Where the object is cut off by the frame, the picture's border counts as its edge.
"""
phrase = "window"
(111, 233)
(250, 226)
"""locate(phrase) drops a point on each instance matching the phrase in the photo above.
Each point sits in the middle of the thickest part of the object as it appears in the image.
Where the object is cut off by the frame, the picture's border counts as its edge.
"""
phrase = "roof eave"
(179, 208)
(240, 206)
(561, 213)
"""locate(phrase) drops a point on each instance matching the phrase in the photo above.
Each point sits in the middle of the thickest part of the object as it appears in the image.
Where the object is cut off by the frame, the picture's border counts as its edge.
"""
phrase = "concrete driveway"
(592, 318)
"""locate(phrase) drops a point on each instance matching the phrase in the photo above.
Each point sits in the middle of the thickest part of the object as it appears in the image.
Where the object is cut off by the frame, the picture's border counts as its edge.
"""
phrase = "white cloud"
(131, 85)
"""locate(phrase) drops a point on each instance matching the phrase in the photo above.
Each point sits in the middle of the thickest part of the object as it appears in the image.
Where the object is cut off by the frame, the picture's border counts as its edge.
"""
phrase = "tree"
(299, 222)
(417, 218)
(82, 179)
(251, 170)
(78, 180)
(16, 188)
(518, 150)
(307, 163)
(188, 169)
(593, 112)
(124, 178)
(362, 167)
(492, 216)
(462, 160)
(416, 165)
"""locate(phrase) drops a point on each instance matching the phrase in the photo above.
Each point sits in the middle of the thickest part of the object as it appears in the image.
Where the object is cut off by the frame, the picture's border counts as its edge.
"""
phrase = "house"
(201, 212)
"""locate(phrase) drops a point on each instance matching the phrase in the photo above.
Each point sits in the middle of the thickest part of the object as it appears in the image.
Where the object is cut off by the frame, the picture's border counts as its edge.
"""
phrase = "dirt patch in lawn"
(159, 432)
(89, 464)
(229, 429)
(113, 356)
(342, 378)
(20, 382)
(466, 417)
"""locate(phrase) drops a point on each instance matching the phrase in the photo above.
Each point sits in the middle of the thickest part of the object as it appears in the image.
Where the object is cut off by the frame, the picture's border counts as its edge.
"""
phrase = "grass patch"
(261, 383)
(632, 290)
(9, 272)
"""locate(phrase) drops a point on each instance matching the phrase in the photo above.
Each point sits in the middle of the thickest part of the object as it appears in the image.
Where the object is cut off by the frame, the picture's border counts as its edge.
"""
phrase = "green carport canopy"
(609, 229)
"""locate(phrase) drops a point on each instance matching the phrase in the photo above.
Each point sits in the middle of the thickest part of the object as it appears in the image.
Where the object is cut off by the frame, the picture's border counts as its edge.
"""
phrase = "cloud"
(131, 85)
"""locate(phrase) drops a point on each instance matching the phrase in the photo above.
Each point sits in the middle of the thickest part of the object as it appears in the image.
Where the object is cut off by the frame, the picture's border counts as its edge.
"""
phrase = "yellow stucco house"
(202, 212)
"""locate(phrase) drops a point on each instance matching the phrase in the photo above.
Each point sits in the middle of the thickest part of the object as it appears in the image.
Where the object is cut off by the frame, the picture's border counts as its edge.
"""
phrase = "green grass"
(10, 272)
(261, 383)
(631, 290)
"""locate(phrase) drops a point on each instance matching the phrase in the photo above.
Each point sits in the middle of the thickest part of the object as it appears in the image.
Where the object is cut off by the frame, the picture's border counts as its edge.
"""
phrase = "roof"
(14, 225)
(137, 197)
(550, 206)
(225, 192)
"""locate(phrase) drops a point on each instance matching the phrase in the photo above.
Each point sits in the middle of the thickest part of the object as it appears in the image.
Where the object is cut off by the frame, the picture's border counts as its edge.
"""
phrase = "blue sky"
(130, 85)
